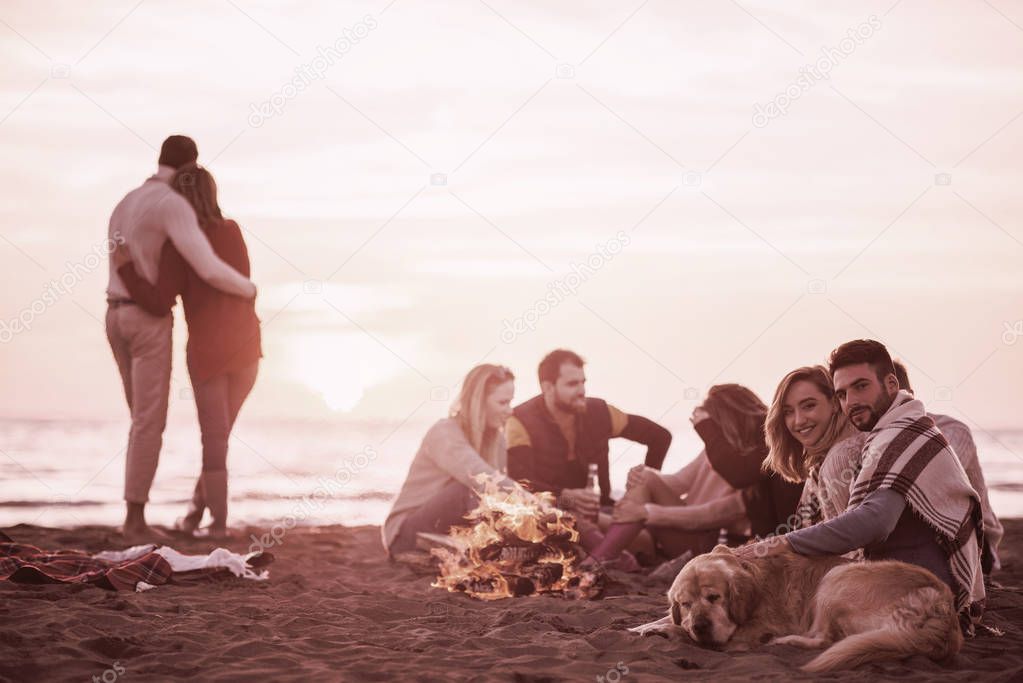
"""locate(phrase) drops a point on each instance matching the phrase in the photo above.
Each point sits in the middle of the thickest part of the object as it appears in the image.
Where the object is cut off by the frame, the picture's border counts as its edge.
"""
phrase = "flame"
(517, 543)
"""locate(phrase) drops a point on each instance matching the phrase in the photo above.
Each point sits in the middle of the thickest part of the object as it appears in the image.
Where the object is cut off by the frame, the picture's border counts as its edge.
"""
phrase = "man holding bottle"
(557, 439)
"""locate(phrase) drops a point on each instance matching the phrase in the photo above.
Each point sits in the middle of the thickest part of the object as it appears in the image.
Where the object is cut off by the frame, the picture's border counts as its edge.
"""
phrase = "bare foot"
(662, 627)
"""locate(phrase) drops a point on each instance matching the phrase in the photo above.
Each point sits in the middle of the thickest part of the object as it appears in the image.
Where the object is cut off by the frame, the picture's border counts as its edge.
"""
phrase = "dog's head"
(713, 595)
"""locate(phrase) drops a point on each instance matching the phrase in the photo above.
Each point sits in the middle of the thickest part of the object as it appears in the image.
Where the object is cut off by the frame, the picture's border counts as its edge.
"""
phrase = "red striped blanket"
(906, 453)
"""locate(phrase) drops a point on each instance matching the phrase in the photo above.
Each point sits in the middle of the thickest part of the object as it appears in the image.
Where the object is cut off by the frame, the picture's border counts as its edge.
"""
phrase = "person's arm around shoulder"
(183, 230)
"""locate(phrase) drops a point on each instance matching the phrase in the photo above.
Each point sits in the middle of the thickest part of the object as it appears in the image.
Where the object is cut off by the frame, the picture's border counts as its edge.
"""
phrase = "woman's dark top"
(223, 330)
(769, 499)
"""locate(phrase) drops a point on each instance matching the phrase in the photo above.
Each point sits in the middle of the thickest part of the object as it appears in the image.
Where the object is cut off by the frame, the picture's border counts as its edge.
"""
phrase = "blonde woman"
(438, 490)
(811, 440)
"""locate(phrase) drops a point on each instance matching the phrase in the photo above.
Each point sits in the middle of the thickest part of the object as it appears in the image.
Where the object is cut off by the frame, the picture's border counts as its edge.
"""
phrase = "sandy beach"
(335, 608)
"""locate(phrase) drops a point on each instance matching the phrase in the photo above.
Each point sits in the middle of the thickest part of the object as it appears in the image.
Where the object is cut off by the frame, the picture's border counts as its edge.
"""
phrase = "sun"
(342, 365)
(330, 365)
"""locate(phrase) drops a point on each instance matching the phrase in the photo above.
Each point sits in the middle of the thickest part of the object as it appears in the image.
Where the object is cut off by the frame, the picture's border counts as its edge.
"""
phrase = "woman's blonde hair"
(786, 455)
(470, 408)
(740, 414)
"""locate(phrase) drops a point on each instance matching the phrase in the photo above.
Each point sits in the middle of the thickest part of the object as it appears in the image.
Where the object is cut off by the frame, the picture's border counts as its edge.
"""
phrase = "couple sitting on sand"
(174, 240)
(551, 443)
(845, 459)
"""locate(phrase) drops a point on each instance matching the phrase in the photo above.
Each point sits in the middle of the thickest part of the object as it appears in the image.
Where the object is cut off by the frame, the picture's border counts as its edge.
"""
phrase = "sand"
(336, 609)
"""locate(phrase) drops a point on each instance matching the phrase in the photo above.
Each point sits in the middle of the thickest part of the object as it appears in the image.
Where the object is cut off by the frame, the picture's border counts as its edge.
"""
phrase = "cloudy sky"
(685, 193)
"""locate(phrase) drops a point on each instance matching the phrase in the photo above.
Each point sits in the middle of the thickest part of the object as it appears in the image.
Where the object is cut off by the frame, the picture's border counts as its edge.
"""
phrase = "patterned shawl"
(905, 452)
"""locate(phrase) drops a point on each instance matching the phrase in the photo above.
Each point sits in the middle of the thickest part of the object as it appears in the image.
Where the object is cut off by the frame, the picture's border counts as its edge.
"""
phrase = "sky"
(684, 193)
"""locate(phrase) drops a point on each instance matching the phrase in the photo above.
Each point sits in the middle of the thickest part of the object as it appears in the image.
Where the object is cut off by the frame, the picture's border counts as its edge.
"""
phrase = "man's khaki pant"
(142, 349)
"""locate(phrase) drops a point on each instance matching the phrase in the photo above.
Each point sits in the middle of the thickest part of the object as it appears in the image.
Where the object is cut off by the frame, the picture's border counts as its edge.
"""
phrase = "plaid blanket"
(124, 570)
(906, 453)
(22, 563)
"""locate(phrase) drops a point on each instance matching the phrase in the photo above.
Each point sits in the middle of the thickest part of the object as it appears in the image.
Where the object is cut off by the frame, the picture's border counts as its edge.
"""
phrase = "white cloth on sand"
(219, 558)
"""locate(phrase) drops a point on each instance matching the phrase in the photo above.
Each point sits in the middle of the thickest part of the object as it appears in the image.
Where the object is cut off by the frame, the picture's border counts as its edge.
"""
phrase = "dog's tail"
(924, 623)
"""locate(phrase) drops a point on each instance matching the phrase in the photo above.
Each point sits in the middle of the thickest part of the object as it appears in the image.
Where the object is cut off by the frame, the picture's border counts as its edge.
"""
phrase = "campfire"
(516, 544)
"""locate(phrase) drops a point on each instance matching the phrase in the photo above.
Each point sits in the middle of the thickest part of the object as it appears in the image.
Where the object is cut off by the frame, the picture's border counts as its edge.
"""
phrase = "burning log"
(515, 544)
(511, 554)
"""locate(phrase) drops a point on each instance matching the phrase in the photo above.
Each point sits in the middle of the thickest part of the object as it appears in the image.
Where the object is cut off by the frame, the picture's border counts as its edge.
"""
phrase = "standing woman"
(811, 440)
(440, 486)
(223, 348)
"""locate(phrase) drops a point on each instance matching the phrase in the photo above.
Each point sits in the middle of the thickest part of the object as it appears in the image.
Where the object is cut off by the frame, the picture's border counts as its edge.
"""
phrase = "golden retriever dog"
(860, 611)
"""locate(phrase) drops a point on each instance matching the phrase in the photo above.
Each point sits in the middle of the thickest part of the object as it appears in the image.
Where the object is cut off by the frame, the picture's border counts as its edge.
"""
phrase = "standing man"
(553, 438)
(141, 343)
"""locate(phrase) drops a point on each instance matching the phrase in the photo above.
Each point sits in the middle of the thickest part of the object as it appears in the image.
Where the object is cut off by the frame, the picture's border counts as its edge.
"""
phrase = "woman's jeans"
(444, 510)
(217, 402)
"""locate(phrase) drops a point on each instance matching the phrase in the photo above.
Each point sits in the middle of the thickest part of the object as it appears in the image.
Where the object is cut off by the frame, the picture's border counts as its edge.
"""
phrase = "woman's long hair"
(470, 408)
(786, 455)
(196, 185)
(740, 414)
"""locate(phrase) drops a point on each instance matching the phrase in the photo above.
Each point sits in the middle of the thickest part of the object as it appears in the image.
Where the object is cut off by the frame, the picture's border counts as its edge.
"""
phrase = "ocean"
(71, 473)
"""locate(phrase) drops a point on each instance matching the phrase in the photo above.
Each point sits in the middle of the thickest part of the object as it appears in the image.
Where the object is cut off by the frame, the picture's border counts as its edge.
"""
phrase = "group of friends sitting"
(845, 461)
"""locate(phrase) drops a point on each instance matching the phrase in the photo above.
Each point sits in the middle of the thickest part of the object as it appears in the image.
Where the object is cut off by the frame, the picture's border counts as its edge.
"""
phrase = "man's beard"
(874, 412)
(566, 407)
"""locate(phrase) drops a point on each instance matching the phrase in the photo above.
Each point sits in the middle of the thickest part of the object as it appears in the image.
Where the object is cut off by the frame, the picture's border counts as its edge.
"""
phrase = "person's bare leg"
(136, 531)
(196, 509)
(621, 534)
(697, 526)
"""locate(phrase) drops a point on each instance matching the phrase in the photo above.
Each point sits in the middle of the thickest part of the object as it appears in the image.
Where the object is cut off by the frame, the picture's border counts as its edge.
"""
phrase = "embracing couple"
(174, 241)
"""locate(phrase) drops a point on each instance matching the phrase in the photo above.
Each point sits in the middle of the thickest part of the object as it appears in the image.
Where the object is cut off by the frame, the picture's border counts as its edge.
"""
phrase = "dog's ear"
(743, 596)
(676, 614)
(721, 549)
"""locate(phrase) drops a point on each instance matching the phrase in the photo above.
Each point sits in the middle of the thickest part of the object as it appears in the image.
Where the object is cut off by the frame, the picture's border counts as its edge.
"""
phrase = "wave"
(251, 496)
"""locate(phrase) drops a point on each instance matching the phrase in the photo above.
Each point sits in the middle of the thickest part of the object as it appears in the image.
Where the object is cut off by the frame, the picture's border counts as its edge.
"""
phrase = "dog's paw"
(661, 627)
(808, 642)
